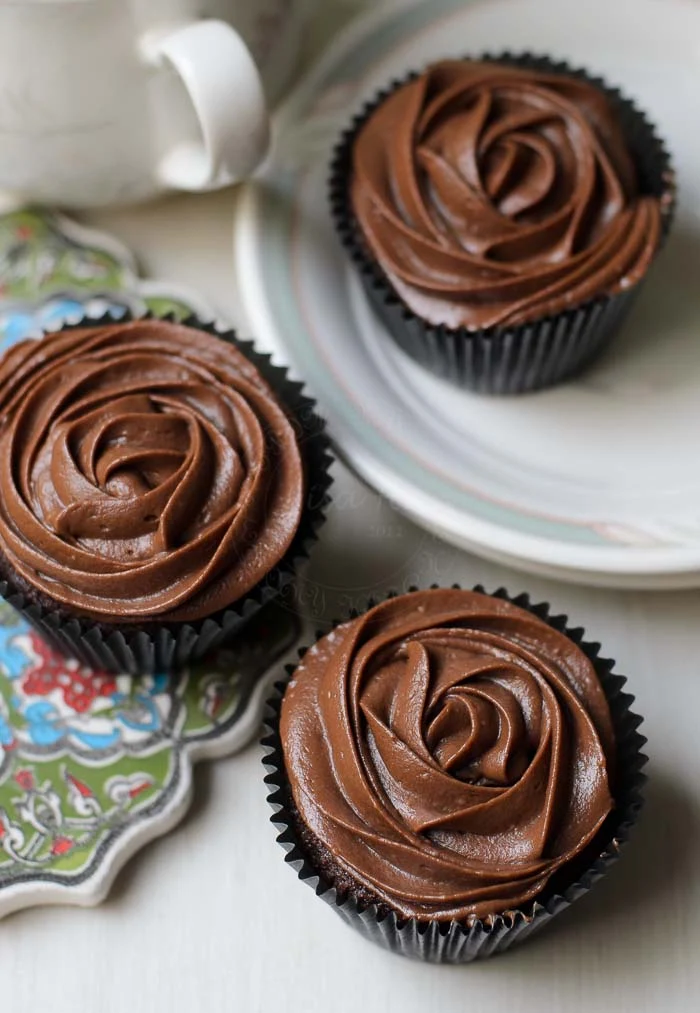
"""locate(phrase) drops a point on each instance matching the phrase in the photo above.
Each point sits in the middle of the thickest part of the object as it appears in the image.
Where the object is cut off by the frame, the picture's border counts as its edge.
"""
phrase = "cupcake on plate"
(503, 213)
(451, 769)
(158, 483)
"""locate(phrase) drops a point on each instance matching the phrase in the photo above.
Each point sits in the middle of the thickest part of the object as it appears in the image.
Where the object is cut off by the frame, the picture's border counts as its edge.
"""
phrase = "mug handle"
(227, 93)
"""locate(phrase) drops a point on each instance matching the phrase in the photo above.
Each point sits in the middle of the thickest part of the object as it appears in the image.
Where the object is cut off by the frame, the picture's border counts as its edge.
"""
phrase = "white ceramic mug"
(112, 101)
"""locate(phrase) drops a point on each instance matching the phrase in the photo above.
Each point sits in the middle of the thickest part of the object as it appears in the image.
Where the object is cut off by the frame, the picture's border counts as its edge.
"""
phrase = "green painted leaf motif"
(211, 697)
(37, 259)
(55, 814)
(8, 616)
(162, 306)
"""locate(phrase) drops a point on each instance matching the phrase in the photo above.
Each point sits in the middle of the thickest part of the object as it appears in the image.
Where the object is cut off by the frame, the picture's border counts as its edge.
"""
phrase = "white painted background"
(212, 919)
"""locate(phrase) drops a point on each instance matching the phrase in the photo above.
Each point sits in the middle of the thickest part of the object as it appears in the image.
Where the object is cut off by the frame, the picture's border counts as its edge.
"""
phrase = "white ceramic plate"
(596, 481)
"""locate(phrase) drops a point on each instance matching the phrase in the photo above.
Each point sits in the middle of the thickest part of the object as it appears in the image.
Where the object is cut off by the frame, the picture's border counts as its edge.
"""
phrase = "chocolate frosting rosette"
(503, 213)
(452, 769)
(158, 483)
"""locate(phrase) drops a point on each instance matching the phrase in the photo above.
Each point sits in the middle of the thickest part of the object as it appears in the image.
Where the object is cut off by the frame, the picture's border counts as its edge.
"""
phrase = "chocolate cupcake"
(451, 769)
(158, 483)
(503, 213)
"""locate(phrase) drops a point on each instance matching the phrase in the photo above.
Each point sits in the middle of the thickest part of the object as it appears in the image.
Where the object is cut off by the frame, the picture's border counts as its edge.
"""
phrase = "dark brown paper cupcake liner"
(152, 646)
(524, 357)
(462, 942)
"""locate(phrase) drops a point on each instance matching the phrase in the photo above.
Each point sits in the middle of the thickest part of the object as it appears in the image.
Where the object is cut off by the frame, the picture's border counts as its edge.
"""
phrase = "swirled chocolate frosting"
(493, 195)
(450, 751)
(147, 471)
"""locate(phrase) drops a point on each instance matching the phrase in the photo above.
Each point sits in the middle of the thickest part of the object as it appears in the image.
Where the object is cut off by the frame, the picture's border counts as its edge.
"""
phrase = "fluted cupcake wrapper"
(152, 646)
(462, 942)
(523, 357)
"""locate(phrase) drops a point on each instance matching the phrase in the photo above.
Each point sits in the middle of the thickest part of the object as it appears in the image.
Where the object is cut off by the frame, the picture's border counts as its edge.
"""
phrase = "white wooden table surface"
(212, 919)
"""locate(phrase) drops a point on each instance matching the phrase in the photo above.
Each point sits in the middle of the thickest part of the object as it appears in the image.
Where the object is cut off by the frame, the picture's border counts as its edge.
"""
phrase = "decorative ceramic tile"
(92, 766)
(52, 269)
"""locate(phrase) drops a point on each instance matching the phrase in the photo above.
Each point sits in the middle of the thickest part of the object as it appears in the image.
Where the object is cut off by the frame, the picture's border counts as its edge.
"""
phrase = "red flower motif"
(79, 786)
(24, 232)
(25, 779)
(80, 687)
(139, 788)
(61, 845)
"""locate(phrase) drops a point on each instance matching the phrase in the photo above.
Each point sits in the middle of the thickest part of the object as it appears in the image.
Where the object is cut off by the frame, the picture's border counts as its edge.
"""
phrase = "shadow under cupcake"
(452, 769)
(503, 213)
